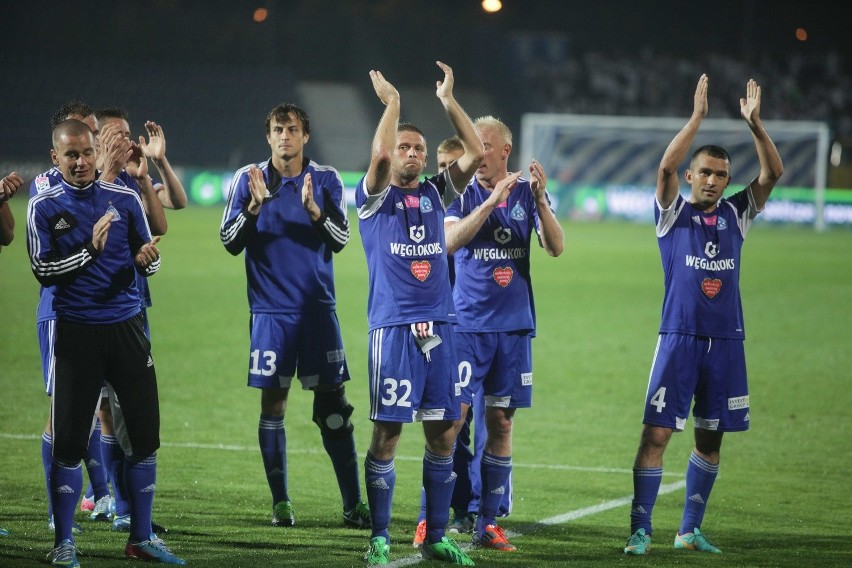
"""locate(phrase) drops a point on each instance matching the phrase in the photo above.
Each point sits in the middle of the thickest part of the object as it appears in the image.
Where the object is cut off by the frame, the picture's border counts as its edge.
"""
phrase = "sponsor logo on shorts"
(738, 402)
(526, 379)
(334, 356)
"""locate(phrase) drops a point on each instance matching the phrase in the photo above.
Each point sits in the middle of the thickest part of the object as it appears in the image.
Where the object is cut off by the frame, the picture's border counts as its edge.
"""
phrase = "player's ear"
(54, 157)
(687, 175)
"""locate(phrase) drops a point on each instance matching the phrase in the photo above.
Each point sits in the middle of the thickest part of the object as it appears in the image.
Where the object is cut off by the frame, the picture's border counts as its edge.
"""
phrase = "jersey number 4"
(659, 399)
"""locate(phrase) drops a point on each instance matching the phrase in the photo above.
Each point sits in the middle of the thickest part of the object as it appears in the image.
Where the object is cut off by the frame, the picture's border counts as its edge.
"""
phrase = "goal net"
(607, 165)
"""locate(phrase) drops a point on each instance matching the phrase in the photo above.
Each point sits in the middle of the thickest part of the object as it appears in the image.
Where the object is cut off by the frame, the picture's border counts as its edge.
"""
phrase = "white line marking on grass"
(558, 519)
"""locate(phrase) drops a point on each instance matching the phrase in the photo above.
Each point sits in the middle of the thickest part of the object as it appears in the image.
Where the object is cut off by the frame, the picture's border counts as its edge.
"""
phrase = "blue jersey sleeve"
(238, 226)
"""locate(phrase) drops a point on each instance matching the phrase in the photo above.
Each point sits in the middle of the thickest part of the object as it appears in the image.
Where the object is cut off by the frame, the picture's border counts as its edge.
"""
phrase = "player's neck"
(704, 207)
(490, 184)
(288, 167)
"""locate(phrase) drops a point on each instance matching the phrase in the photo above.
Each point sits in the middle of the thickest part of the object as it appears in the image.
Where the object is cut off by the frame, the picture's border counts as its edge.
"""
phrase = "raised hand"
(114, 151)
(750, 106)
(700, 105)
(308, 199)
(100, 231)
(258, 189)
(155, 146)
(501, 191)
(384, 90)
(137, 163)
(538, 181)
(147, 254)
(9, 185)
(444, 89)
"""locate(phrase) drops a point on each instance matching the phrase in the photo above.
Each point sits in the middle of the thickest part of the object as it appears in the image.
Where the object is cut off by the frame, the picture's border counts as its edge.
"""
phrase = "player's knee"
(332, 412)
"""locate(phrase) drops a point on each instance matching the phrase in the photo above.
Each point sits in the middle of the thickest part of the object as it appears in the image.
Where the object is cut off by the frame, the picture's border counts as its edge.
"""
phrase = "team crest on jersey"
(42, 183)
(722, 224)
(711, 249)
(417, 233)
(421, 269)
(518, 213)
(115, 214)
(502, 235)
(399, 205)
(411, 201)
(711, 287)
(426, 205)
(503, 275)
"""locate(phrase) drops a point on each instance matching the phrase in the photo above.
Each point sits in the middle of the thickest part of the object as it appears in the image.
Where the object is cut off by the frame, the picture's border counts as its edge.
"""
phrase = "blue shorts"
(286, 345)
(713, 371)
(406, 386)
(498, 363)
(46, 341)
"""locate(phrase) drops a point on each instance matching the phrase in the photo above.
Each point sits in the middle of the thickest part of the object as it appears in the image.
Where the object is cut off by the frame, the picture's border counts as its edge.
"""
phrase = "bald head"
(70, 128)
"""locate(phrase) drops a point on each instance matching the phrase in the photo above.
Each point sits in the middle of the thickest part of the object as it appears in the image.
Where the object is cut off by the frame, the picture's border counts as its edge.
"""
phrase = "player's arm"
(384, 140)
(462, 169)
(667, 182)
(245, 199)
(332, 224)
(771, 167)
(8, 187)
(460, 233)
(550, 233)
(48, 267)
(171, 192)
(137, 167)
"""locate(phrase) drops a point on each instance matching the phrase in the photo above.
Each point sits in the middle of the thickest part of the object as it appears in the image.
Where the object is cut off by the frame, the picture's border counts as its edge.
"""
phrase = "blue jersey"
(701, 265)
(45, 181)
(90, 287)
(402, 231)
(288, 257)
(493, 289)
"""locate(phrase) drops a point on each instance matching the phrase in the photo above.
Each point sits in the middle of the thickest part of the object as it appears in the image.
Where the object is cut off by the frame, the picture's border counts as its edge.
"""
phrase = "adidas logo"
(65, 489)
(275, 472)
(696, 499)
(150, 361)
(499, 491)
(149, 489)
(92, 463)
(452, 477)
(640, 509)
(746, 417)
(380, 484)
(61, 224)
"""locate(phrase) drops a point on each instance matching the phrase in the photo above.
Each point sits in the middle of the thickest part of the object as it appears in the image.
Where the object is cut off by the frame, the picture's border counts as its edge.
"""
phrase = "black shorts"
(86, 357)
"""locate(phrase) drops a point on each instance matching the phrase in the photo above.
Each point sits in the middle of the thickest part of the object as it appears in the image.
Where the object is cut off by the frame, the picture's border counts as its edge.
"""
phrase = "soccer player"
(289, 216)
(111, 162)
(412, 358)
(489, 230)
(155, 197)
(700, 347)
(88, 239)
(8, 187)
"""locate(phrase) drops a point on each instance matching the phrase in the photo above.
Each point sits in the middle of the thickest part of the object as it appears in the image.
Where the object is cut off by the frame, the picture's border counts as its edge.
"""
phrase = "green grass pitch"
(782, 497)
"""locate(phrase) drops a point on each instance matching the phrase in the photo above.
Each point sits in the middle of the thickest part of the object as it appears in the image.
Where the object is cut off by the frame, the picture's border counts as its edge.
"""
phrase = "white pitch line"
(240, 448)
(558, 519)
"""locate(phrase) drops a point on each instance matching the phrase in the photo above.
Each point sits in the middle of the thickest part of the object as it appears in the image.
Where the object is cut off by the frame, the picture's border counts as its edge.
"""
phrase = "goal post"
(624, 152)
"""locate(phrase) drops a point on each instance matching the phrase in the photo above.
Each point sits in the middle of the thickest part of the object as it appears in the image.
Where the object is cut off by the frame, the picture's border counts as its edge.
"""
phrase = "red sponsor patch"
(412, 201)
(421, 269)
(503, 275)
(711, 287)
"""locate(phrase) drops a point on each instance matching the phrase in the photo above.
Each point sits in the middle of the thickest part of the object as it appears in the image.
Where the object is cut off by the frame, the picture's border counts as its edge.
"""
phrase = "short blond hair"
(489, 121)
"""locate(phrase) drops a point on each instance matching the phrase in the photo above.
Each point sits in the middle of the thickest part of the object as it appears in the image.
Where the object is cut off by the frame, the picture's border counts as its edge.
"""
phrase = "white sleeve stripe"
(229, 234)
(338, 234)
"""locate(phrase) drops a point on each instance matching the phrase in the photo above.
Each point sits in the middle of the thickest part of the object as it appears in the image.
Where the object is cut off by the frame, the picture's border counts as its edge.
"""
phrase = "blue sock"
(273, 450)
(47, 463)
(114, 458)
(646, 485)
(95, 465)
(438, 482)
(66, 482)
(140, 479)
(700, 477)
(344, 458)
(380, 477)
(495, 479)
